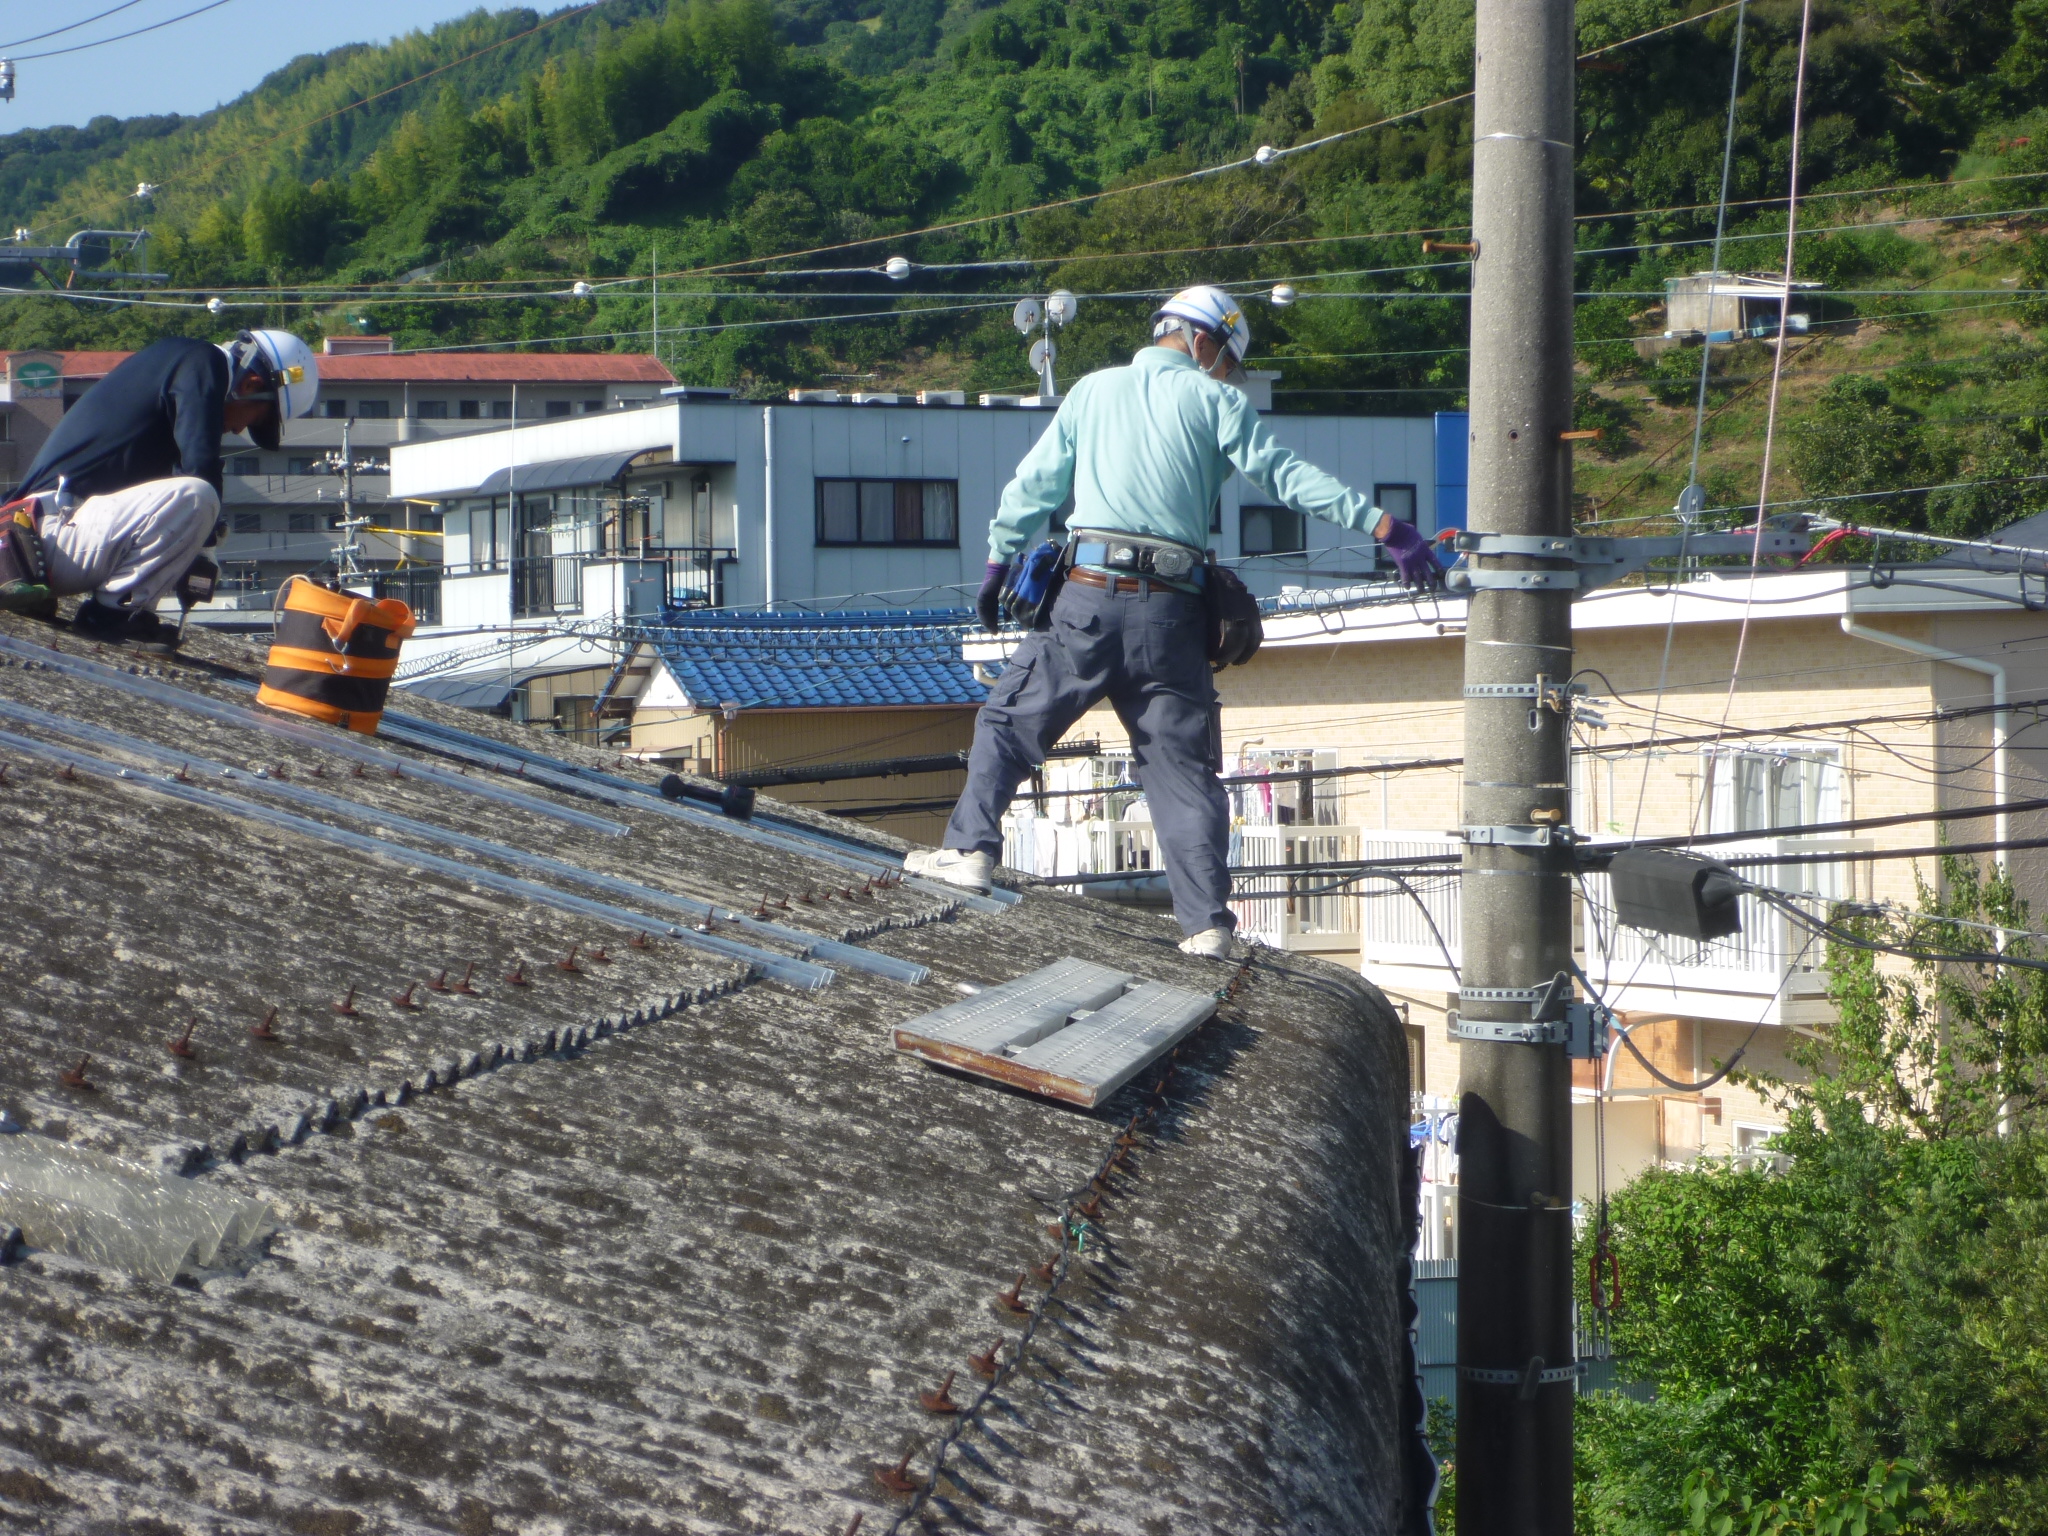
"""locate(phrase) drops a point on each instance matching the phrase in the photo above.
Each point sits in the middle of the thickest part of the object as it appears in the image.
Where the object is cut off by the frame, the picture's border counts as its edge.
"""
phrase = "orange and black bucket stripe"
(334, 655)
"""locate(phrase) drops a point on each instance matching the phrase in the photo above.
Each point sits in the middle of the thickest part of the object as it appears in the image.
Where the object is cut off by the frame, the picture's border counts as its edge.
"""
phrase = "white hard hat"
(1211, 311)
(288, 369)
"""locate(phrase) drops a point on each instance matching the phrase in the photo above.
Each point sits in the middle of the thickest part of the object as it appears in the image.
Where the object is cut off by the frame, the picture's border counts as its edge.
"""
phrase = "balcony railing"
(1285, 911)
(682, 576)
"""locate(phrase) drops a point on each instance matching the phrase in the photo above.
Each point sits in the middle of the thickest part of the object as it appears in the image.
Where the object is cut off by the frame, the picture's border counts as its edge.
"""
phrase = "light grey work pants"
(1143, 649)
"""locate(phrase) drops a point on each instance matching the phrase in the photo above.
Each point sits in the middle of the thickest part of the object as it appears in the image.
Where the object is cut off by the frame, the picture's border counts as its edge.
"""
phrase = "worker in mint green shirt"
(1143, 451)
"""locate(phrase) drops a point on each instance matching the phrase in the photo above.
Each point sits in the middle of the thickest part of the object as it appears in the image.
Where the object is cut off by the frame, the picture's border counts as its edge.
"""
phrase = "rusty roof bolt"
(1092, 1209)
(940, 1401)
(463, 985)
(347, 1006)
(397, 772)
(782, 902)
(440, 983)
(897, 1479)
(569, 963)
(281, 771)
(984, 1364)
(74, 1077)
(806, 898)
(518, 977)
(599, 956)
(182, 776)
(1013, 1300)
(356, 772)
(67, 775)
(405, 999)
(853, 1525)
(1048, 1273)
(267, 1030)
(319, 772)
(640, 941)
(182, 1046)
(3, 773)
(762, 909)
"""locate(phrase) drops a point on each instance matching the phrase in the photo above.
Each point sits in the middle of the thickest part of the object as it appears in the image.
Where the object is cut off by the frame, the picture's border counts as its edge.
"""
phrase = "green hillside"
(724, 132)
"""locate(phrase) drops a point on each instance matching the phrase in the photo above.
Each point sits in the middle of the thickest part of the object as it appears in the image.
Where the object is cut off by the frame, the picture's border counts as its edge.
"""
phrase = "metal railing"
(690, 576)
(1394, 924)
(1277, 908)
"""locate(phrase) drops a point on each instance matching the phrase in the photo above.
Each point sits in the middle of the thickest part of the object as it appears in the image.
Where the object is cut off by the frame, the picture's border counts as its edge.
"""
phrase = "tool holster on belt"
(1235, 629)
(24, 578)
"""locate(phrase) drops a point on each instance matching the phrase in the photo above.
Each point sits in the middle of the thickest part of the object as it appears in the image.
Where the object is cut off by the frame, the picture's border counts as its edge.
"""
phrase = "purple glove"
(988, 602)
(1413, 557)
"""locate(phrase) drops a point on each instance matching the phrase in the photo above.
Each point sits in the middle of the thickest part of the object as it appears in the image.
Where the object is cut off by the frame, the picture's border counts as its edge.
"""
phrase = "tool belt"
(24, 576)
(1130, 554)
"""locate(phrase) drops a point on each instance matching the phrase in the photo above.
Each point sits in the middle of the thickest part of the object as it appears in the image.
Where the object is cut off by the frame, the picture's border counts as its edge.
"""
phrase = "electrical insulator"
(1283, 295)
(897, 267)
(6, 79)
(580, 291)
(1265, 154)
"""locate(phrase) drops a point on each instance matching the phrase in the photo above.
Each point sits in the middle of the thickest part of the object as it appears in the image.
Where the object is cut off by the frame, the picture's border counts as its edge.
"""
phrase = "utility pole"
(1516, 1373)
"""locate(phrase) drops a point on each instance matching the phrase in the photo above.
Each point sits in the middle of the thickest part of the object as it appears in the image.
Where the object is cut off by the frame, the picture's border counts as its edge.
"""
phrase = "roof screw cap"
(984, 1364)
(940, 1401)
(897, 1479)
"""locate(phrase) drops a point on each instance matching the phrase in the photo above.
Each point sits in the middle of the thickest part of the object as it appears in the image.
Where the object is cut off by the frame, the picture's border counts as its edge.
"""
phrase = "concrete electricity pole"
(1516, 1378)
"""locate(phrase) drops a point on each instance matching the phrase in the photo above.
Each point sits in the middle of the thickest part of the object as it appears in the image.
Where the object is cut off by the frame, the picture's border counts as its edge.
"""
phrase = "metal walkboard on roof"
(1069, 1031)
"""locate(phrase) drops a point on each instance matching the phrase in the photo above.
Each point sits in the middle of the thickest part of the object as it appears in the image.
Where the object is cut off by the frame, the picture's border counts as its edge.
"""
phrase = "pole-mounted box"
(1676, 893)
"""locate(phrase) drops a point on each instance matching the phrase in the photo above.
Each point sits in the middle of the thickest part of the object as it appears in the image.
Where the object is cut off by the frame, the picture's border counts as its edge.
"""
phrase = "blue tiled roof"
(818, 660)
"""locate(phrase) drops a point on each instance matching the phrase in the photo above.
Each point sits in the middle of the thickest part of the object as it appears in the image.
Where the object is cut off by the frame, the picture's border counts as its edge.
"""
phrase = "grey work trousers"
(1143, 649)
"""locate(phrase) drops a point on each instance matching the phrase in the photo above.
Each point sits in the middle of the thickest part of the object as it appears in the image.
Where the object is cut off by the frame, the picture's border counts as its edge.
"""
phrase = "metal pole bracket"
(1597, 562)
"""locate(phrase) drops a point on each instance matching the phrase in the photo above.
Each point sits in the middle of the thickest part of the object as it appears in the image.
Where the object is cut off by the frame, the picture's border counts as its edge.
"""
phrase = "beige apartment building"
(1853, 701)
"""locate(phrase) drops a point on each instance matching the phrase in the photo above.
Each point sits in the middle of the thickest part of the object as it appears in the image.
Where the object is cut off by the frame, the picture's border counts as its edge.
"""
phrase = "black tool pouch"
(21, 548)
(1235, 629)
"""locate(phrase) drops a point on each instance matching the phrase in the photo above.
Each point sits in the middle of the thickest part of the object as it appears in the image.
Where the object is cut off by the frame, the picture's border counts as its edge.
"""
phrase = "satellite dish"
(1042, 352)
(1692, 500)
(1026, 315)
(1061, 306)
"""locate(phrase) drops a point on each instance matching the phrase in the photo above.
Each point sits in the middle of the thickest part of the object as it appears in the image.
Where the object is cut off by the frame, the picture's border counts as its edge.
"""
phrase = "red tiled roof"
(92, 365)
(446, 368)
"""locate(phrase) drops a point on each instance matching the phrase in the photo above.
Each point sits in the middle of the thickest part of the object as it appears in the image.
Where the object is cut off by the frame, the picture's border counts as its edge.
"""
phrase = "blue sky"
(191, 66)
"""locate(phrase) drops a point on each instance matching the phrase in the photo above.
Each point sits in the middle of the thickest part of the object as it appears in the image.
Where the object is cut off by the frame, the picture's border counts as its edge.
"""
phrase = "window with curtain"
(898, 513)
(1773, 791)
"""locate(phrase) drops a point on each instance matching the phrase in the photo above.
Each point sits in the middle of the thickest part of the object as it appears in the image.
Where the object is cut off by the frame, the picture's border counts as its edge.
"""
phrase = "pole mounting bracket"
(1597, 562)
(1517, 837)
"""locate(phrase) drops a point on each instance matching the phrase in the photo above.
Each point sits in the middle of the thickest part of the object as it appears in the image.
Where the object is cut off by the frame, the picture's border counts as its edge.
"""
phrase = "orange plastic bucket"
(334, 655)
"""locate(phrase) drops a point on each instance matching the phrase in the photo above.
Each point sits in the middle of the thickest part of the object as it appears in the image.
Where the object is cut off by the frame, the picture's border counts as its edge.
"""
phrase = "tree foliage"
(1876, 1296)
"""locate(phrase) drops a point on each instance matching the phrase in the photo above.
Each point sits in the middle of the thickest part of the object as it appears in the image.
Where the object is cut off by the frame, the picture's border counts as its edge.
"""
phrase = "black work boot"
(138, 628)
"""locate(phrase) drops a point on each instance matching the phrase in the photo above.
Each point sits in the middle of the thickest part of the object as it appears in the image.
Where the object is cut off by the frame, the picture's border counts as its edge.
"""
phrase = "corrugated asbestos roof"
(584, 1237)
(818, 660)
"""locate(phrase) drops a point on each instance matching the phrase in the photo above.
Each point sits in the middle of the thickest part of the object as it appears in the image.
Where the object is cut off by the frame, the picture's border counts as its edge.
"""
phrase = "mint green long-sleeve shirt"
(1145, 449)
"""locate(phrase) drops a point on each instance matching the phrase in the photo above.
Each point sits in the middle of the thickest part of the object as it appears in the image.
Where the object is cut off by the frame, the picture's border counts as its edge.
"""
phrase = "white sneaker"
(1210, 944)
(969, 871)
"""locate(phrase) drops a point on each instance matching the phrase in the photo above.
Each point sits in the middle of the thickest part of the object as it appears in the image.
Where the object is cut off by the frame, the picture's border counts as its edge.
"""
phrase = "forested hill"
(723, 132)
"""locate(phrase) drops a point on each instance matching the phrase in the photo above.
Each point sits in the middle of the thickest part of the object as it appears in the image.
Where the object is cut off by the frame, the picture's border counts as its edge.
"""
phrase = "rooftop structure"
(581, 1235)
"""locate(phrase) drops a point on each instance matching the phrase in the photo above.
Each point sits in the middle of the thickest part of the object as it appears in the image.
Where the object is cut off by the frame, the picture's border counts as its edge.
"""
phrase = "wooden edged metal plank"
(1094, 1056)
(1016, 1012)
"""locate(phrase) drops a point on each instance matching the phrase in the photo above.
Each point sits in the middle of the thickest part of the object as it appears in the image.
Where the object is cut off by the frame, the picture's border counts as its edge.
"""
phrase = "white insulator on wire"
(214, 306)
(1265, 154)
(897, 268)
(145, 189)
(580, 291)
(1283, 294)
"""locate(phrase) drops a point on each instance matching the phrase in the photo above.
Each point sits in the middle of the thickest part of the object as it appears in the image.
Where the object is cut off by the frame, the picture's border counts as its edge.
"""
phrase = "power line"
(121, 37)
(71, 26)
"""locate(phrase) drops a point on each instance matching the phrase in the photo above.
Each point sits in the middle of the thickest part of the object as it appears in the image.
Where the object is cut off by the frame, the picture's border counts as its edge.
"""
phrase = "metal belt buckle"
(1173, 564)
(1123, 556)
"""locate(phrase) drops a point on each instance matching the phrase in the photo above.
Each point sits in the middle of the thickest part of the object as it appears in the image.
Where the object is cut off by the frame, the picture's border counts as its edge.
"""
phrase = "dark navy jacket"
(157, 415)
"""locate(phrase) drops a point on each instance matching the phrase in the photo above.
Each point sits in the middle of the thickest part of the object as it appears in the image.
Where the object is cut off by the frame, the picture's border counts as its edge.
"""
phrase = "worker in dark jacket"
(127, 489)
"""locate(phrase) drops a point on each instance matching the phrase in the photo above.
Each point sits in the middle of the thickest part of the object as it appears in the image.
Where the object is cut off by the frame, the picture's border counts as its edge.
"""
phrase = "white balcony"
(1769, 973)
(1284, 911)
